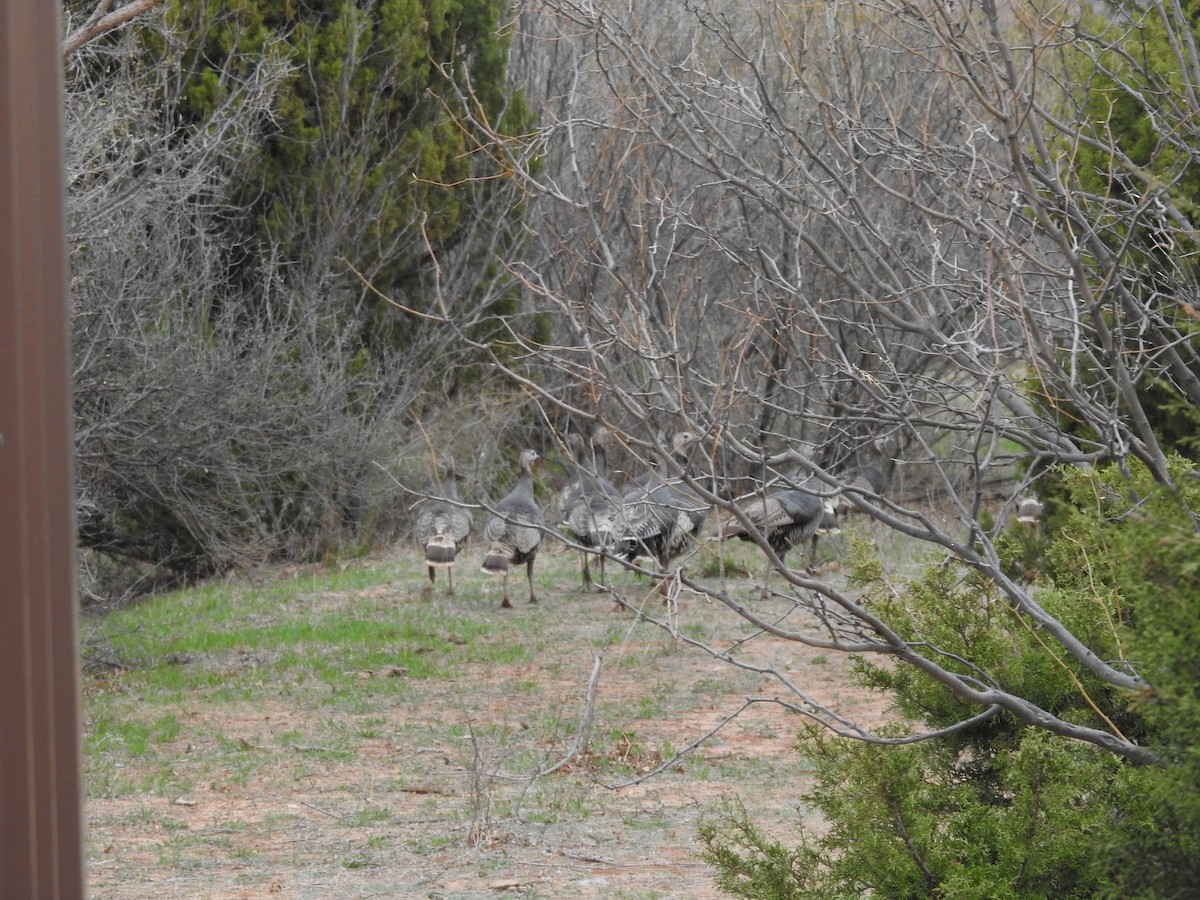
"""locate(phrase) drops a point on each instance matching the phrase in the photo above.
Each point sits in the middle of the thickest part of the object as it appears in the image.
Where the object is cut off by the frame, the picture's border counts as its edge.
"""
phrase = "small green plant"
(653, 821)
(748, 863)
(708, 686)
(370, 815)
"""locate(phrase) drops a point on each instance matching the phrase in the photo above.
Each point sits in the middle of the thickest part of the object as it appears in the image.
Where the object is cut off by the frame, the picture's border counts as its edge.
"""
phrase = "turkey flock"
(646, 524)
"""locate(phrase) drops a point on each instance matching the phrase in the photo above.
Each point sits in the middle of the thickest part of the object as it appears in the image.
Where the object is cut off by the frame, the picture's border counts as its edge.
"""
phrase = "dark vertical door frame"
(41, 819)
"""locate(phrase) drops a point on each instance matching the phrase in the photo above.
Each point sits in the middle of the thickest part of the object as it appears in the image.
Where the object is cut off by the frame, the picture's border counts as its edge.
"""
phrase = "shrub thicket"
(1000, 809)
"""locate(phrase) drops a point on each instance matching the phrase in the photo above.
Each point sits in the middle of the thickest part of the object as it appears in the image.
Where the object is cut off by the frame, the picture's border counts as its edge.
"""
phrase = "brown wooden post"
(40, 785)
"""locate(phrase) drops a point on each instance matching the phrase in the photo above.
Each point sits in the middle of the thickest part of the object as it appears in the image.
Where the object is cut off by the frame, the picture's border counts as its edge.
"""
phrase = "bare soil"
(427, 792)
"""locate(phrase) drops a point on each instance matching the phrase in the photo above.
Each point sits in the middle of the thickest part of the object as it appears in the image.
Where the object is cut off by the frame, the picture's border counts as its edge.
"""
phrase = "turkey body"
(443, 527)
(590, 503)
(659, 515)
(785, 517)
(514, 532)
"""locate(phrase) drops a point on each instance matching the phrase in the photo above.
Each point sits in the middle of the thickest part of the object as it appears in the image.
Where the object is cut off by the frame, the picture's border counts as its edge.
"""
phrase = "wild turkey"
(681, 445)
(660, 515)
(1029, 511)
(785, 517)
(514, 532)
(443, 526)
(590, 503)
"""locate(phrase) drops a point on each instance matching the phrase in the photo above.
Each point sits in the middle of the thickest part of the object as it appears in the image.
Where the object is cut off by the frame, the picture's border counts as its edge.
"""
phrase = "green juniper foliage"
(1129, 85)
(368, 160)
(1001, 809)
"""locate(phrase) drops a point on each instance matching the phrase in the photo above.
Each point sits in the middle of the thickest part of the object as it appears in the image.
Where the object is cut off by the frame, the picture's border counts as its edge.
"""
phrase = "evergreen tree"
(1138, 175)
(368, 169)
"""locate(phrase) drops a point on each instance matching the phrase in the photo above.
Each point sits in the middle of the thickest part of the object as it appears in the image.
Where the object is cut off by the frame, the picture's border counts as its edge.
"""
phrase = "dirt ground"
(428, 792)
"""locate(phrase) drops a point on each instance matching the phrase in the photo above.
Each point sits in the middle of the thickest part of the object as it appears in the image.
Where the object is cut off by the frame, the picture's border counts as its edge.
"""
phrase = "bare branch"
(103, 20)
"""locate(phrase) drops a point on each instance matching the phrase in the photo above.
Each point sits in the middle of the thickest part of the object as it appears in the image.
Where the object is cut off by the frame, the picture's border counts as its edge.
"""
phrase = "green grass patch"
(219, 640)
(341, 720)
(135, 738)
